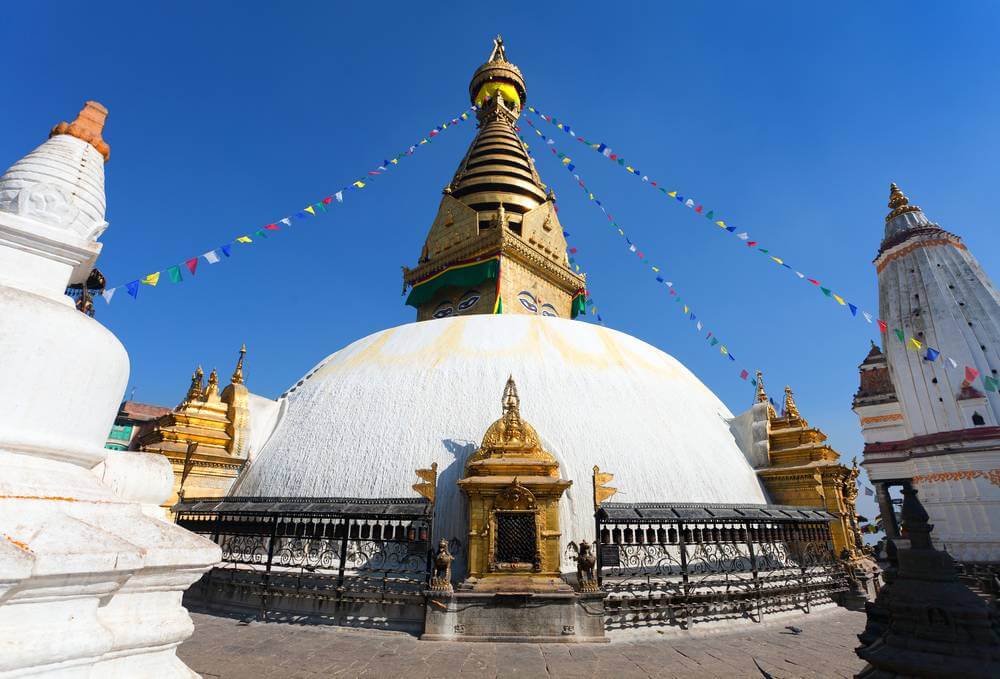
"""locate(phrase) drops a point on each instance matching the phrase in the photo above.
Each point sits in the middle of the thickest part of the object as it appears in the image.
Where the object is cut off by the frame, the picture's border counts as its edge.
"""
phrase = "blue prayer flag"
(226, 249)
(932, 354)
(854, 309)
(133, 289)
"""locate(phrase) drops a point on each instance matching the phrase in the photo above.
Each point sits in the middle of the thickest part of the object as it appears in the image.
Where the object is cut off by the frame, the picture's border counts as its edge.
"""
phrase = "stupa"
(91, 573)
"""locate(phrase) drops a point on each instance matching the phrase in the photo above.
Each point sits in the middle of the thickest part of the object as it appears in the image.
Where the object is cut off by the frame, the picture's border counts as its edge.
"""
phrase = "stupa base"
(521, 617)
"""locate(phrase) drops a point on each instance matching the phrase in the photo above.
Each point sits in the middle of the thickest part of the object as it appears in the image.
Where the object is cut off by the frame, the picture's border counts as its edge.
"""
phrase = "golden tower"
(496, 244)
(806, 472)
(513, 486)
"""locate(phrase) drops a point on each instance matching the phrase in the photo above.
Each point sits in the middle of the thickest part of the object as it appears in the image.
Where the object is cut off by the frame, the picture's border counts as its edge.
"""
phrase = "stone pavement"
(224, 648)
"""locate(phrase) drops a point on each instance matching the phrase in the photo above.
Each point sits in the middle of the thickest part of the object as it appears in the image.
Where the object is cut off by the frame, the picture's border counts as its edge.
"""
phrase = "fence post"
(753, 564)
(267, 570)
(343, 559)
(682, 545)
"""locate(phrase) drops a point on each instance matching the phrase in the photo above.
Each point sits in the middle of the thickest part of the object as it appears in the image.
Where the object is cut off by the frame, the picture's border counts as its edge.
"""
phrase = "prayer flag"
(192, 265)
(360, 184)
(108, 294)
(715, 340)
(133, 289)
(826, 291)
(244, 239)
(899, 334)
(743, 236)
(211, 257)
(286, 221)
(840, 300)
(932, 354)
(174, 273)
(777, 260)
(854, 309)
(685, 308)
(721, 224)
(813, 281)
(970, 373)
(915, 343)
(310, 210)
(882, 326)
(698, 325)
(272, 227)
(744, 374)
(800, 274)
(152, 279)
(868, 316)
(339, 196)
(952, 361)
(226, 249)
(990, 383)
(723, 350)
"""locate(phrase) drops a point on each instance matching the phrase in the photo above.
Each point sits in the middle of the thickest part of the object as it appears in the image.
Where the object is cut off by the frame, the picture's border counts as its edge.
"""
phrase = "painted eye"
(549, 310)
(527, 300)
(469, 300)
(444, 310)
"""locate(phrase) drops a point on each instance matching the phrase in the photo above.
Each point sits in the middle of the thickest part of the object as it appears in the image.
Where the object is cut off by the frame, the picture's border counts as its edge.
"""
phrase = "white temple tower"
(923, 421)
(91, 575)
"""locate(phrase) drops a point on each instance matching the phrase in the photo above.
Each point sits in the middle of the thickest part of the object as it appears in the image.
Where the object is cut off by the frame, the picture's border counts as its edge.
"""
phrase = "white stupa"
(91, 573)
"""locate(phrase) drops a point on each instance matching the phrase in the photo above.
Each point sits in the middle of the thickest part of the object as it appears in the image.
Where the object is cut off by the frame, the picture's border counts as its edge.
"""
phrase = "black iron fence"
(683, 563)
(328, 551)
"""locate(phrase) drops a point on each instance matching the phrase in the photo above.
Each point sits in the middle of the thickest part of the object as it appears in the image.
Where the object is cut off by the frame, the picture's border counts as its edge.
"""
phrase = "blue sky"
(788, 119)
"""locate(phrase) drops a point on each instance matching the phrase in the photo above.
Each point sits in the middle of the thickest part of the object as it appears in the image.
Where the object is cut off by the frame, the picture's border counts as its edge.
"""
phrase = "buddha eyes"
(469, 300)
(548, 310)
(527, 300)
(444, 310)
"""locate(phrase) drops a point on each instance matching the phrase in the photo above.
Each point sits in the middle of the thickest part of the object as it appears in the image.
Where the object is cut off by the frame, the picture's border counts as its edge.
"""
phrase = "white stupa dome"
(364, 419)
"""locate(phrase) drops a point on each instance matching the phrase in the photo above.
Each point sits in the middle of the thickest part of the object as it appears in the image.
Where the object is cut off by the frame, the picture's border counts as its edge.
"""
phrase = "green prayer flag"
(826, 291)
(990, 383)
(899, 334)
(174, 273)
(713, 342)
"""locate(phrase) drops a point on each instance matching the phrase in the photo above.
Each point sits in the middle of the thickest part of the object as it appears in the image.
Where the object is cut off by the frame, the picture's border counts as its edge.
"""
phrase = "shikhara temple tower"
(496, 244)
(924, 420)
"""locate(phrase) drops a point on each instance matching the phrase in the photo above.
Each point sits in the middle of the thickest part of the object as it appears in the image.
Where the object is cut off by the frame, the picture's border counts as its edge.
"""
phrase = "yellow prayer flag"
(672, 194)
(151, 279)
(394, 161)
(656, 269)
(567, 160)
(360, 184)
(778, 261)
(244, 239)
(621, 232)
(422, 141)
(629, 168)
(591, 196)
(840, 300)
(310, 210)
(685, 308)
(723, 350)
(915, 343)
(721, 224)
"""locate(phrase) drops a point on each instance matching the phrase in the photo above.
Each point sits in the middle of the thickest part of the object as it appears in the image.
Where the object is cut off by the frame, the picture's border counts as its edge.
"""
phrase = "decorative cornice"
(885, 257)
(939, 438)
(993, 475)
(882, 418)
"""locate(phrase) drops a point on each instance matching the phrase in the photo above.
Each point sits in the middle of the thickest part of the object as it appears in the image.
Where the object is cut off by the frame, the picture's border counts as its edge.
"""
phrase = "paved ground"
(222, 647)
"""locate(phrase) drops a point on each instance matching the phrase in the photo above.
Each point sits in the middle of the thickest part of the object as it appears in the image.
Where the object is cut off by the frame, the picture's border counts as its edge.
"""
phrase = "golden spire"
(762, 396)
(898, 203)
(195, 391)
(88, 126)
(237, 377)
(791, 410)
(512, 411)
(212, 389)
(498, 53)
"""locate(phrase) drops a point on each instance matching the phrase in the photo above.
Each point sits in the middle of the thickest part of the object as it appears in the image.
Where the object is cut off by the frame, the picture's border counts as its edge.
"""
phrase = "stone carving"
(47, 203)
(441, 579)
(585, 562)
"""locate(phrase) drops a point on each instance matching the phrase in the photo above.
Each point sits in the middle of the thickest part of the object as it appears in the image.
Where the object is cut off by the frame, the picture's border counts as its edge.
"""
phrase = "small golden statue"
(585, 562)
(441, 580)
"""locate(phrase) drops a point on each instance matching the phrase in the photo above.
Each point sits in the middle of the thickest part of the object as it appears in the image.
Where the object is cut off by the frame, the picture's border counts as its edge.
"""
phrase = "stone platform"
(222, 648)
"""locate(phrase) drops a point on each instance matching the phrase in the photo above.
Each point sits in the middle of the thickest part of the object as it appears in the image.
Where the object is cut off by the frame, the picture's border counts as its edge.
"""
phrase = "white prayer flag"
(743, 236)
(211, 257)
(108, 294)
(287, 221)
(800, 275)
(339, 196)
(632, 248)
(698, 324)
(607, 152)
(952, 361)
(868, 316)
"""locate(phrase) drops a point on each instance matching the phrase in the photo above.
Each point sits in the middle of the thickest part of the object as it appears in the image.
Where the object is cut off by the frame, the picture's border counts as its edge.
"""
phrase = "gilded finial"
(762, 395)
(237, 377)
(212, 388)
(512, 411)
(898, 203)
(195, 391)
(498, 53)
(791, 410)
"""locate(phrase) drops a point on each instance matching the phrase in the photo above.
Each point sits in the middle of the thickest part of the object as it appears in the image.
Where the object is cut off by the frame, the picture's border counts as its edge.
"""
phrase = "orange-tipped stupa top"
(87, 126)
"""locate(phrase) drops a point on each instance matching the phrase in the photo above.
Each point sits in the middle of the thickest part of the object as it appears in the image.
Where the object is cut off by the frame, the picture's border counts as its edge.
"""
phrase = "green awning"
(460, 275)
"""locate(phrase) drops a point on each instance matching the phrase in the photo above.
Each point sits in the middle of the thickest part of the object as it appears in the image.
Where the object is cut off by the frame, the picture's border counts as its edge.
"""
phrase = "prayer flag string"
(217, 254)
(711, 338)
(931, 355)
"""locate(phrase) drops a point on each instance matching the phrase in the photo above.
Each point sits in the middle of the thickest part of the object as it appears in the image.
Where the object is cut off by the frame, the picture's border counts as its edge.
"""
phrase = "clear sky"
(788, 119)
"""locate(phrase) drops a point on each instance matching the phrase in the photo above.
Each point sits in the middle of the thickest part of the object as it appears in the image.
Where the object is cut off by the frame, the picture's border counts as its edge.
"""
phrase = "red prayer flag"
(813, 281)
(751, 243)
(272, 227)
(743, 374)
(192, 264)
(882, 326)
(971, 373)
(572, 251)
(328, 200)
(698, 209)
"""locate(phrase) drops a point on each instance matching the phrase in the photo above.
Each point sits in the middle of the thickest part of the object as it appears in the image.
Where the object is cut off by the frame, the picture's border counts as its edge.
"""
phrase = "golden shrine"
(513, 487)
(205, 437)
(496, 244)
(806, 472)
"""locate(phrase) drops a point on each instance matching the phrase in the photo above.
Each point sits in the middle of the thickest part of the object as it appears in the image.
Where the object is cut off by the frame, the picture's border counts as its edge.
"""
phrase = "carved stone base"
(548, 617)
